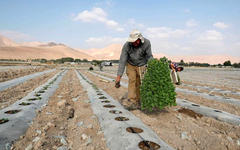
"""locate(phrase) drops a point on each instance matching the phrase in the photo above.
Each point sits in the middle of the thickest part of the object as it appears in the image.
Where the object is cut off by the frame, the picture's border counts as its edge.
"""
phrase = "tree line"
(197, 64)
(69, 59)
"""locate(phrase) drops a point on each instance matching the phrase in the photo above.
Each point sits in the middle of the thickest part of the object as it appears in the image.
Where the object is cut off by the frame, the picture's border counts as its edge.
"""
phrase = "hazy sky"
(175, 27)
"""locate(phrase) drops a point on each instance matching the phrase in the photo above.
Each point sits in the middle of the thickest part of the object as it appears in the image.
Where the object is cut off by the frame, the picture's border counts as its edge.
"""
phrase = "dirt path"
(180, 128)
(67, 122)
(11, 95)
(15, 73)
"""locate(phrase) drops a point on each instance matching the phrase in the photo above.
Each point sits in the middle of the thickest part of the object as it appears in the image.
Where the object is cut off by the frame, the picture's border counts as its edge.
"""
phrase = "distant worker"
(174, 73)
(135, 54)
(101, 66)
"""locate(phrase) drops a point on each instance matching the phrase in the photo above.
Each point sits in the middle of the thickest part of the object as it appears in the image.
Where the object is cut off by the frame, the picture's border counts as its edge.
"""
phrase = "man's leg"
(138, 82)
(131, 73)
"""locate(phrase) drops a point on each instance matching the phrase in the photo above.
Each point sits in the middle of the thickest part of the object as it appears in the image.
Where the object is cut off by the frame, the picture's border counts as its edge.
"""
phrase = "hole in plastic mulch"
(25, 104)
(42, 91)
(3, 120)
(148, 145)
(12, 111)
(37, 95)
(121, 119)
(102, 97)
(134, 130)
(34, 99)
(195, 105)
(106, 101)
(109, 106)
(115, 111)
(217, 111)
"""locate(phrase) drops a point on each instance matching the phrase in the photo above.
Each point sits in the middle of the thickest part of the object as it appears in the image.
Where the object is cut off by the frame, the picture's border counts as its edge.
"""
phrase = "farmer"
(135, 54)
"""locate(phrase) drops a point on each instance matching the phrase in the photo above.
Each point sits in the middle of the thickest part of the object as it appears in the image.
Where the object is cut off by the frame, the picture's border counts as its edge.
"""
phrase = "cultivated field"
(73, 108)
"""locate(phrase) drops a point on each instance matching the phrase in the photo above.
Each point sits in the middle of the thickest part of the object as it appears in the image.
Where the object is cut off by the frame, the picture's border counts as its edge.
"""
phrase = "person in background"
(174, 72)
(135, 54)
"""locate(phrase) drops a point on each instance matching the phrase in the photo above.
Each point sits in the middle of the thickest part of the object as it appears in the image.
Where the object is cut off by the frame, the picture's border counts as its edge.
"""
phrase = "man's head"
(179, 69)
(135, 38)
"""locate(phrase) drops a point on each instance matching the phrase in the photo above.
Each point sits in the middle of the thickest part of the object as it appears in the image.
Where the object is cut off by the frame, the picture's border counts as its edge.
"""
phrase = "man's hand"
(117, 82)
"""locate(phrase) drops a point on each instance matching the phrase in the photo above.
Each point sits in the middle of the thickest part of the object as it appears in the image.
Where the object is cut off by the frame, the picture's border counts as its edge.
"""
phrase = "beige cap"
(134, 35)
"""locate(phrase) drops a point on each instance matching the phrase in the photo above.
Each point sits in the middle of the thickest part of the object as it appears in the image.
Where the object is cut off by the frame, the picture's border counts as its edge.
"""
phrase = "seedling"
(37, 94)
(32, 99)
(41, 91)
(157, 89)
(3, 120)
(102, 97)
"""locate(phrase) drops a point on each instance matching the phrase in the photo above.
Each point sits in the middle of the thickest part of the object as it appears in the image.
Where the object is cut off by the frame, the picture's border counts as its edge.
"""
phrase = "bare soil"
(15, 73)
(181, 129)
(66, 122)
(13, 94)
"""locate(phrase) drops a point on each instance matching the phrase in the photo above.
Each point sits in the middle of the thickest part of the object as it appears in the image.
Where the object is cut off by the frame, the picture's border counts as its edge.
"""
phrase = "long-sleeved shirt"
(136, 56)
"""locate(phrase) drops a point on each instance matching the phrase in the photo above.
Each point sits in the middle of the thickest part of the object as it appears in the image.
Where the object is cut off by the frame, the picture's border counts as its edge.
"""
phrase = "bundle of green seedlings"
(157, 90)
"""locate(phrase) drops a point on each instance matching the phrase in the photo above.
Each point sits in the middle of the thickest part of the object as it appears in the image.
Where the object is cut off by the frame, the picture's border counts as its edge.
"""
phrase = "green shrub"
(157, 89)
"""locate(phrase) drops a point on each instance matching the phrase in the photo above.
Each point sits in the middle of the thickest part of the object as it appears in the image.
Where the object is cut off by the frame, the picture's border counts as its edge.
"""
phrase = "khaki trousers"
(134, 81)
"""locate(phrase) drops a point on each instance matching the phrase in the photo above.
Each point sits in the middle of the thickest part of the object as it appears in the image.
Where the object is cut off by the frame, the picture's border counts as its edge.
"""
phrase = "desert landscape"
(62, 87)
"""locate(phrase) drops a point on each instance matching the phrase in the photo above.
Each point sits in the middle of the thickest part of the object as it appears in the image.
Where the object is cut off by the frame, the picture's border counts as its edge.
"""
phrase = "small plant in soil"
(3, 120)
(41, 91)
(37, 94)
(102, 97)
(157, 90)
(34, 99)
(25, 104)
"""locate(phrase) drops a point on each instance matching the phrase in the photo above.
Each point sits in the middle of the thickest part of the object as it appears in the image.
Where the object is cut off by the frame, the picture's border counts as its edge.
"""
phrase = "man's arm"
(149, 52)
(122, 62)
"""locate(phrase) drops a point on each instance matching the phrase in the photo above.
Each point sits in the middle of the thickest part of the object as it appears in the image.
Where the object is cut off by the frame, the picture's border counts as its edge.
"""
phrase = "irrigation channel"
(206, 111)
(16, 118)
(16, 81)
(122, 129)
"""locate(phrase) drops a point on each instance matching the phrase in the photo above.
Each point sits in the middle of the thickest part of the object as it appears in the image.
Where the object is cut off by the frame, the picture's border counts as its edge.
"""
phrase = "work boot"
(130, 105)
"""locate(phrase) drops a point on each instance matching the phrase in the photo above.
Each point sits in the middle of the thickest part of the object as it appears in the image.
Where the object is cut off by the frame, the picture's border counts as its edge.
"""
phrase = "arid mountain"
(113, 52)
(34, 50)
(53, 52)
(32, 44)
(108, 53)
(6, 42)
